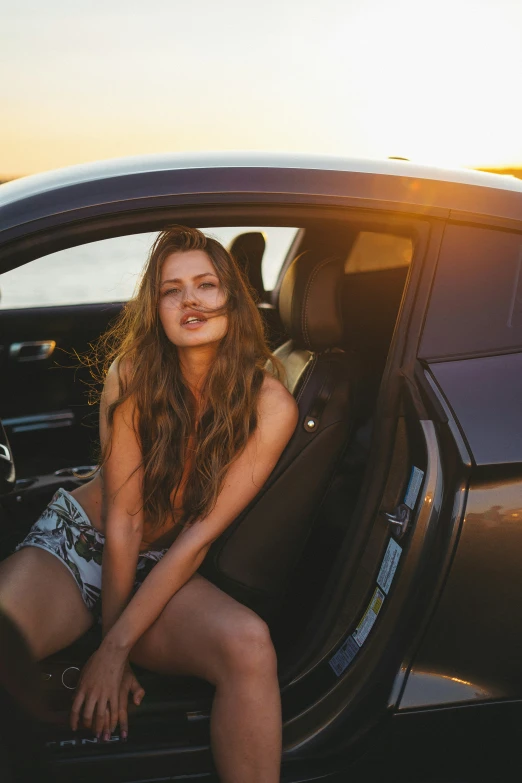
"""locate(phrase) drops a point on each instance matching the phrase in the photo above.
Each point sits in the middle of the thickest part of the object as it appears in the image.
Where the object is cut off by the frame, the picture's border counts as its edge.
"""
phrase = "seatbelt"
(312, 419)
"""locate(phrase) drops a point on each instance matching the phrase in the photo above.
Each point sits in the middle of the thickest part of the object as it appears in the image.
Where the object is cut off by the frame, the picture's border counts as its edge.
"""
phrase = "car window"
(374, 252)
(103, 271)
(108, 270)
(476, 301)
(278, 240)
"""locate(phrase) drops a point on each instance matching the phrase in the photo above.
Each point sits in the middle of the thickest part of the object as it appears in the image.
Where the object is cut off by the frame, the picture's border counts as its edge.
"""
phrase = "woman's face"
(189, 288)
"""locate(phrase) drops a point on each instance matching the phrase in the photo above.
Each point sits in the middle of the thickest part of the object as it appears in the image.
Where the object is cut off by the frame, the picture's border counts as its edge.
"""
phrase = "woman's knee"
(246, 648)
(41, 597)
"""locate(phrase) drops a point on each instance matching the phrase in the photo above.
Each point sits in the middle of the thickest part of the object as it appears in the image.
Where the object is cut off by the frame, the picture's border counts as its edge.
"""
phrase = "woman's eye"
(207, 285)
(170, 291)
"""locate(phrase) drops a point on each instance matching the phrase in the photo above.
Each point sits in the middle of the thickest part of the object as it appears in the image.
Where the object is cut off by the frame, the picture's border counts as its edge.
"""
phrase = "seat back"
(255, 557)
(248, 250)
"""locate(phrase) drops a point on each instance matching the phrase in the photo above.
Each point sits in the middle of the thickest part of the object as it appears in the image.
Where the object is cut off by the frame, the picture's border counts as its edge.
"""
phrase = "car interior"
(330, 306)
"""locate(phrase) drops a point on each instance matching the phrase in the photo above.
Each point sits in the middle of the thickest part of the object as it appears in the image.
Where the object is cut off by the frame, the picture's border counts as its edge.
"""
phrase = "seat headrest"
(248, 249)
(310, 301)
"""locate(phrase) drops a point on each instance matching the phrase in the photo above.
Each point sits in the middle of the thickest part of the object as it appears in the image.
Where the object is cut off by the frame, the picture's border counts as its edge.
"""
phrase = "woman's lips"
(193, 320)
(193, 324)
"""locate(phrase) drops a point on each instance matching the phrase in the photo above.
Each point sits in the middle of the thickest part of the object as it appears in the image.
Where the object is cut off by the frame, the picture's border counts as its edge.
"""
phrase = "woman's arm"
(277, 420)
(122, 493)
(122, 498)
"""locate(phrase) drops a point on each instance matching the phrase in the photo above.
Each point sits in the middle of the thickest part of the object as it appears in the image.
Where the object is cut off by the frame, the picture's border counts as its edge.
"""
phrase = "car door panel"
(470, 653)
(461, 659)
(44, 401)
(486, 395)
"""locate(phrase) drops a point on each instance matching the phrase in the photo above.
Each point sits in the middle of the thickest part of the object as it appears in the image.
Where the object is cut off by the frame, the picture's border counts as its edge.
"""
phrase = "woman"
(191, 426)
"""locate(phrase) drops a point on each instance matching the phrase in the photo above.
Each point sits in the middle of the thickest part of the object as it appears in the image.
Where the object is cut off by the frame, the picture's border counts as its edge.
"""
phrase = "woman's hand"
(129, 684)
(102, 691)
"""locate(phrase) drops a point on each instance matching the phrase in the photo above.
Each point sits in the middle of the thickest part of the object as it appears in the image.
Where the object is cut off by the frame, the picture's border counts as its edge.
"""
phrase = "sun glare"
(447, 97)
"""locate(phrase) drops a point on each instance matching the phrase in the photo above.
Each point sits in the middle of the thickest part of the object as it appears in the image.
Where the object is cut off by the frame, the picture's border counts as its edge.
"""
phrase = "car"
(385, 548)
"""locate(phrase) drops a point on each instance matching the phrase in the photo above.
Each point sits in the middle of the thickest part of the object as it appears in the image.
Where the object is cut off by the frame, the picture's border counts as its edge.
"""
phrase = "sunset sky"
(437, 82)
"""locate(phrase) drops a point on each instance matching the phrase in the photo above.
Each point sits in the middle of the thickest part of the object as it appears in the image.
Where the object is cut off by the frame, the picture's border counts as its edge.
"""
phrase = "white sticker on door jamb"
(365, 626)
(344, 656)
(415, 483)
(389, 565)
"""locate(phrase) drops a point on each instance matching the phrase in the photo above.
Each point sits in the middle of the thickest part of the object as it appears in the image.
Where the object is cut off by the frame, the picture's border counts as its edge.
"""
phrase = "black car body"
(394, 639)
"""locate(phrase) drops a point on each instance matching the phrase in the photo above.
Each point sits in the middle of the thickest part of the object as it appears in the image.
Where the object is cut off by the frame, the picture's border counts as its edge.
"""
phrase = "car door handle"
(39, 421)
(31, 351)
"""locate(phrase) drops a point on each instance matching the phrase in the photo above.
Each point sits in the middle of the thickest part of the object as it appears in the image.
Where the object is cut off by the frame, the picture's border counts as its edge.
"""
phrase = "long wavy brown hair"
(165, 409)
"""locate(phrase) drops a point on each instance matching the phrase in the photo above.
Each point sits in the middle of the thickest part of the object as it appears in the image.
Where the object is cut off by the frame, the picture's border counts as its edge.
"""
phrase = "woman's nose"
(187, 297)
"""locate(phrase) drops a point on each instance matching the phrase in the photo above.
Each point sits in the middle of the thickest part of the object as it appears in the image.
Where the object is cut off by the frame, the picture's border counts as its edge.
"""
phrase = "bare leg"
(206, 633)
(41, 596)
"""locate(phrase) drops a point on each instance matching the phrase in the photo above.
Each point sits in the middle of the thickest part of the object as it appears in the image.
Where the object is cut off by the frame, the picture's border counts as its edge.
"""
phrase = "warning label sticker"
(389, 565)
(365, 626)
(415, 483)
(344, 656)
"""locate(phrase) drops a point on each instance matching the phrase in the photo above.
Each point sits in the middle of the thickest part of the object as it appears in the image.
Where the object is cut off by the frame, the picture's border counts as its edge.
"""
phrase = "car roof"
(140, 164)
(315, 176)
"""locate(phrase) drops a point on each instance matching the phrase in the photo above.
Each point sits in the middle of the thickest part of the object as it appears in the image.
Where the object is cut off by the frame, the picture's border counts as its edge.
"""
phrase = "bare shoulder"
(117, 376)
(276, 405)
(125, 416)
(115, 382)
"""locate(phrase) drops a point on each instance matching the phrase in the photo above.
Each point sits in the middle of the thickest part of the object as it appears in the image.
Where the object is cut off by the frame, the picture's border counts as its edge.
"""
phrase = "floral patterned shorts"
(64, 530)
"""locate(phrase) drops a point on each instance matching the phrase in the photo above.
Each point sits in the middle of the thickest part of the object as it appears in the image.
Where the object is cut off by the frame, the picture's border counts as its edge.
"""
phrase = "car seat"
(255, 557)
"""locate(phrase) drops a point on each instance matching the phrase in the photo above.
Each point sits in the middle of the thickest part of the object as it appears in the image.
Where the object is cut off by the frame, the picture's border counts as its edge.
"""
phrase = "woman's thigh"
(40, 594)
(204, 632)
